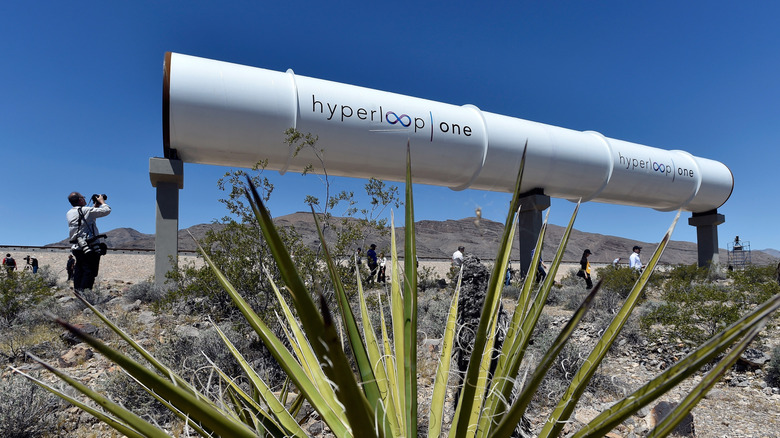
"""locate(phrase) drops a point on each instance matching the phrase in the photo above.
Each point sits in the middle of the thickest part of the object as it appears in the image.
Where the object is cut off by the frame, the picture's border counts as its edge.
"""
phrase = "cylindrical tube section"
(227, 114)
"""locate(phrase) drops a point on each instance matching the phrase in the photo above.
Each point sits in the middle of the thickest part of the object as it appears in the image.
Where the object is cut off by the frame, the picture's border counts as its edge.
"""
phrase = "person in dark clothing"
(69, 267)
(584, 271)
(9, 263)
(372, 264)
(33, 263)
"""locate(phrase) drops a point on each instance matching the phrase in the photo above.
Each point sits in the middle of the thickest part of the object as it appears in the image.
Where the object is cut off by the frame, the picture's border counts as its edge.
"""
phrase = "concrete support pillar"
(707, 235)
(168, 177)
(529, 224)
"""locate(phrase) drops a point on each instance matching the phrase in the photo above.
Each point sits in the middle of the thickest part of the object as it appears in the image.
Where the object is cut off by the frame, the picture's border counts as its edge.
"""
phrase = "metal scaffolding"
(739, 254)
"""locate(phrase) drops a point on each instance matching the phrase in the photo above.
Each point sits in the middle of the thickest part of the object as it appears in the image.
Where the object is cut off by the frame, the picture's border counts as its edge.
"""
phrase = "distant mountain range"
(438, 239)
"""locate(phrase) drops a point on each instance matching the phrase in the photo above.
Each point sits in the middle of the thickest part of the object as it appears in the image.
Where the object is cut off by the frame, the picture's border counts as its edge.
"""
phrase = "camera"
(95, 196)
(87, 245)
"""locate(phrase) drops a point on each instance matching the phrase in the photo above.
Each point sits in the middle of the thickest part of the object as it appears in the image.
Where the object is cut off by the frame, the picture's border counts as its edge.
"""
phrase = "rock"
(431, 345)
(132, 306)
(146, 317)
(186, 331)
(76, 355)
(716, 394)
(118, 301)
(315, 428)
(751, 359)
(71, 339)
(585, 415)
(661, 410)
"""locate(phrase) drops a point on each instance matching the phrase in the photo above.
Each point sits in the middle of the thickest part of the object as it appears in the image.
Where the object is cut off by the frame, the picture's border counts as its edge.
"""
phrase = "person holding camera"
(84, 235)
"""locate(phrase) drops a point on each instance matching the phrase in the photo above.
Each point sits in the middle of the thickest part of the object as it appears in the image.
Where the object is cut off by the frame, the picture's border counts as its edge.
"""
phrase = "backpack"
(10, 262)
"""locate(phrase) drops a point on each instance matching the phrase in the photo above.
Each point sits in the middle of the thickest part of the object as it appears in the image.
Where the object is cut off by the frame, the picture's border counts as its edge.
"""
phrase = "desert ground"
(739, 406)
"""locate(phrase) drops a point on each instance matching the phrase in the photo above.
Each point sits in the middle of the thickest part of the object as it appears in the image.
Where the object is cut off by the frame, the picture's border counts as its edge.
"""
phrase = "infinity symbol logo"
(398, 119)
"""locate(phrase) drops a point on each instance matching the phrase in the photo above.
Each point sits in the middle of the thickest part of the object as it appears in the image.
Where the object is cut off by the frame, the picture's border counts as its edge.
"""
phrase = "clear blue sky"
(81, 86)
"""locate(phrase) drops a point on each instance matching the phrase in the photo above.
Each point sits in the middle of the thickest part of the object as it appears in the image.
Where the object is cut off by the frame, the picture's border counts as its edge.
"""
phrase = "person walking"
(457, 256)
(584, 271)
(381, 276)
(371, 261)
(634, 262)
(9, 263)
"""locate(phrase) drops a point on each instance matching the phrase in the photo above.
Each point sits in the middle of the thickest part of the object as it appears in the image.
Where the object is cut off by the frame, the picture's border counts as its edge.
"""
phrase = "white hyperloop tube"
(227, 114)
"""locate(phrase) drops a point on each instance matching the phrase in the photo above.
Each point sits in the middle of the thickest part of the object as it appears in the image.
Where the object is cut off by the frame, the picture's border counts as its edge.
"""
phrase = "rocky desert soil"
(741, 405)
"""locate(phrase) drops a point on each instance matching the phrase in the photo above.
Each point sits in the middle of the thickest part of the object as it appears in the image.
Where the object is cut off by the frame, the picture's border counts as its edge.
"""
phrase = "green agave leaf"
(108, 420)
(513, 417)
(477, 412)
(202, 412)
(470, 381)
(304, 352)
(397, 320)
(335, 419)
(319, 327)
(164, 370)
(141, 350)
(436, 415)
(286, 421)
(580, 381)
(681, 370)
(367, 378)
(513, 352)
(668, 424)
(410, 305)
(375, 357)
(479, 415)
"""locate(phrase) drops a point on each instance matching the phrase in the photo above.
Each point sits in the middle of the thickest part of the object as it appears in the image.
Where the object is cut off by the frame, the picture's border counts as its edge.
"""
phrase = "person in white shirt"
(633, 261)
(457, 257)
(85, 237)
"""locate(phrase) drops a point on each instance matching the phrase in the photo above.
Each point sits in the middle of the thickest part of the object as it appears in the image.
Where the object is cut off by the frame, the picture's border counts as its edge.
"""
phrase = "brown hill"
(438, 239)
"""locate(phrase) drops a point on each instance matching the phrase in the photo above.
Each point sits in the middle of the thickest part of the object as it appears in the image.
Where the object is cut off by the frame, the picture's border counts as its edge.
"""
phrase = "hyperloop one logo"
(393, 118)
(665, 169)
(397, 120)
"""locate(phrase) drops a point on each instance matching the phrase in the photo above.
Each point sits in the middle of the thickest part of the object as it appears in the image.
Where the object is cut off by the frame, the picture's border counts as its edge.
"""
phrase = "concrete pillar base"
(168, 177)
(706, 224)
(529, 224)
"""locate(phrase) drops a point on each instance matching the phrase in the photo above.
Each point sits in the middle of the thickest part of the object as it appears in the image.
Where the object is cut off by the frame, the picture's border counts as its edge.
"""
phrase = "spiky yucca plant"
(379, 397)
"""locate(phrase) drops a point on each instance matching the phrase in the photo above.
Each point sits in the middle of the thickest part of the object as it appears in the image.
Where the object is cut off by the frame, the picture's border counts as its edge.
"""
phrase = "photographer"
(84, 235)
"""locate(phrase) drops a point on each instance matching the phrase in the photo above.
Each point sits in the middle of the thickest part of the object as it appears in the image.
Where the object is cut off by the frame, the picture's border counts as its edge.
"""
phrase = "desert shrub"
(755, 284)
(187, 354)
(123, 389)
(41, 339)
(146, 291)
(20, 291)
(433, 306)
(772, 377)
(26, 410)
(238, 250)
(692, 307)
(568, 293)
(426, 278)
(687, 274)
(512, 291)
(559, 375)
(47, 275)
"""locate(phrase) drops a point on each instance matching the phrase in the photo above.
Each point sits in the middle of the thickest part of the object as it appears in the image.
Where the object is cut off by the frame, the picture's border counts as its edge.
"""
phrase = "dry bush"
(27, 410)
